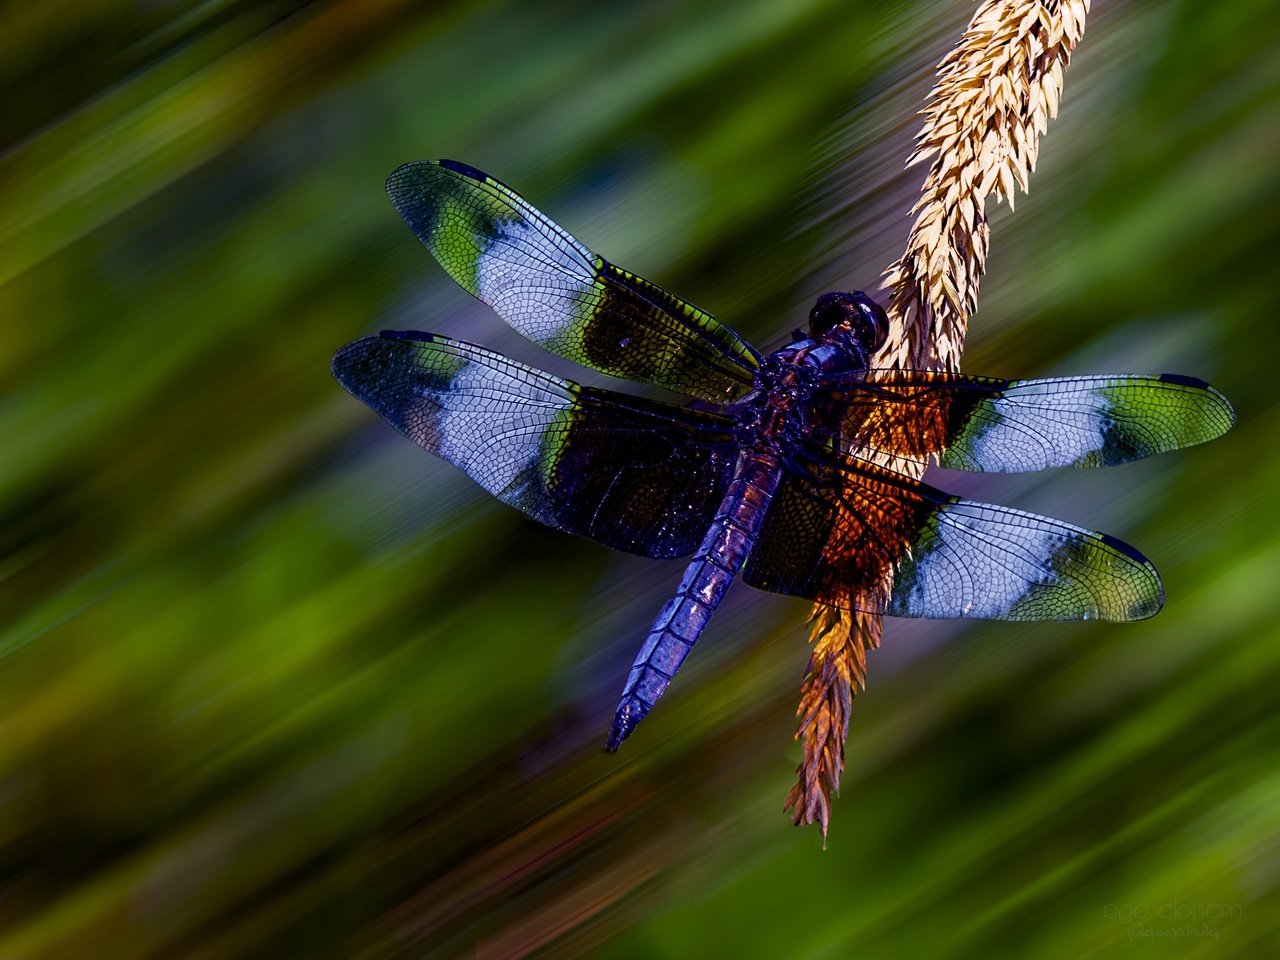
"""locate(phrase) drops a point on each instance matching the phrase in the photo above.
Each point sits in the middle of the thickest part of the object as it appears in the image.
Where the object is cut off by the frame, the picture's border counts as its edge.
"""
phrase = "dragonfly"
(797, 471)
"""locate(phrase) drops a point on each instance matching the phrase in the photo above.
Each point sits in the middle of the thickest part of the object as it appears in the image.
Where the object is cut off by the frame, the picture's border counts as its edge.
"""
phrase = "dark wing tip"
(415, 335)
(1184, 380)
(413, 171)
(1130, 551)
(457, 166)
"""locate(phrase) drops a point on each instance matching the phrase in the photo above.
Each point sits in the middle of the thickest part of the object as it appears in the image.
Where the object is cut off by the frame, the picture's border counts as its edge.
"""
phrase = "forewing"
(1010, 426)
(869, 539)
(559, 294)
(633, 474)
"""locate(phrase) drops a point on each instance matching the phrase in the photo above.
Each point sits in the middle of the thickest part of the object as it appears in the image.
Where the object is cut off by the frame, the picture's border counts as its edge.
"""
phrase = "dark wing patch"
(633, 474)
(559, 294)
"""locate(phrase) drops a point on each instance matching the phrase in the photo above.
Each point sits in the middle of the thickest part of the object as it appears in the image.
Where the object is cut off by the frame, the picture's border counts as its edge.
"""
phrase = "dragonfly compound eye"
(872, 325)
(831, 310)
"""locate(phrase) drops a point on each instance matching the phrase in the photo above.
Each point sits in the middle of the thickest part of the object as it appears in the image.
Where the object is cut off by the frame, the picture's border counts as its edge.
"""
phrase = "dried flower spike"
(994, 96)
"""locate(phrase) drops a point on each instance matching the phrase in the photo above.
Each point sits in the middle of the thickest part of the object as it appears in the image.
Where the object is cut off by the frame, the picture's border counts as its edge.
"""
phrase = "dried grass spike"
(994, 96)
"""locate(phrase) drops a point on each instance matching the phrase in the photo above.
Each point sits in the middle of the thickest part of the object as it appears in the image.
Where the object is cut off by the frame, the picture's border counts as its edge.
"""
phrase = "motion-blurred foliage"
(275, 683)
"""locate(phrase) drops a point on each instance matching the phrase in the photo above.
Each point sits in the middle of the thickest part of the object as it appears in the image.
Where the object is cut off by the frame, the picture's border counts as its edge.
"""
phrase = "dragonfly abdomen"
(706, 579)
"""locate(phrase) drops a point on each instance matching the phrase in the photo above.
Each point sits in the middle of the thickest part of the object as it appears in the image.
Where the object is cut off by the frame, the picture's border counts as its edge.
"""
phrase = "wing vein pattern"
(634, 474)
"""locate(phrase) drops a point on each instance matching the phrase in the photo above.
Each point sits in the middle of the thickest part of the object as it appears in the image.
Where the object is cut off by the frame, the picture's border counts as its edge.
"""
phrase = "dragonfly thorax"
(779, 405)
(845, 330)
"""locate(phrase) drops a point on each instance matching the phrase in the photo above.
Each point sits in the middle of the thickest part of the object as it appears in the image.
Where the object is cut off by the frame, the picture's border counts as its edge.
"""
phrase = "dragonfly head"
(840, 316)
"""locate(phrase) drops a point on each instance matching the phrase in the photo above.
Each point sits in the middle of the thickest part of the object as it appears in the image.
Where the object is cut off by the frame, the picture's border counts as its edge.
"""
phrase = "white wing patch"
(941, 586)
(1076, 427)
(528, 274)
(468, 428)
(984, 561)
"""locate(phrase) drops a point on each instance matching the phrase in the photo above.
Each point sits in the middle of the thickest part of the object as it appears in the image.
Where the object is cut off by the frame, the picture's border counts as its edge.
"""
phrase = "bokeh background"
(274, 683)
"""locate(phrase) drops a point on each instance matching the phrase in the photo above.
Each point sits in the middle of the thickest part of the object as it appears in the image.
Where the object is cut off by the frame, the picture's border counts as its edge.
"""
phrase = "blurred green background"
(274, 683)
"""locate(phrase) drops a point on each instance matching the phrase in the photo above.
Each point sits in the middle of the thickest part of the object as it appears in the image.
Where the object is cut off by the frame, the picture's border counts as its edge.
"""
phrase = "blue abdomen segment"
(708, 576)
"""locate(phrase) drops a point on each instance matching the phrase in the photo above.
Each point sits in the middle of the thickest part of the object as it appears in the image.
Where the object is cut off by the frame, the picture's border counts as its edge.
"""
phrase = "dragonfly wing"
(633, 474)
(559, 294)
(1011, 426)
(859, 537)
